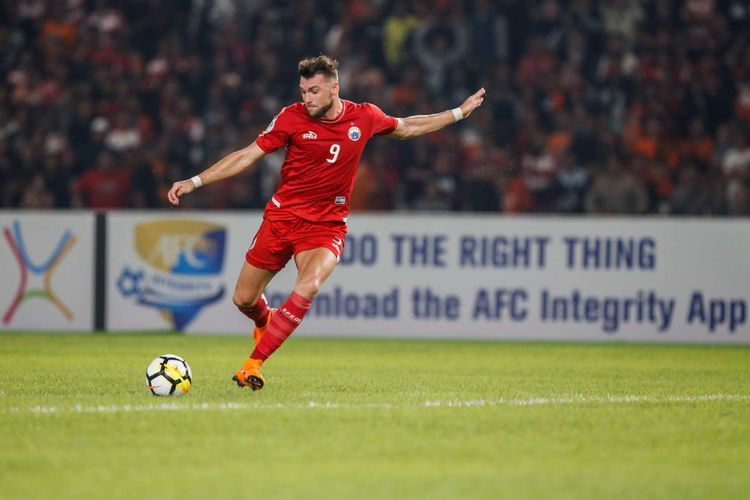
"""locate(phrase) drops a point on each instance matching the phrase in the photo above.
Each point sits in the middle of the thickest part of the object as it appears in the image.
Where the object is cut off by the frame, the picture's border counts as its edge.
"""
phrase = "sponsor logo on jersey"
(340, 200)
(354, 133)
(309, 135)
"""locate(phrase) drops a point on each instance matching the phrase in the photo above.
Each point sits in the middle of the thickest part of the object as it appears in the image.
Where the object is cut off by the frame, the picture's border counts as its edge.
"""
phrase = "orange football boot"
(258, 331)
(249, 375)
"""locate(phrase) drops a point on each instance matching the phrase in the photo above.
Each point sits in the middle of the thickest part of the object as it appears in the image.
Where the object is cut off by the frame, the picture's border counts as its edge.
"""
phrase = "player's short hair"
(326, 66)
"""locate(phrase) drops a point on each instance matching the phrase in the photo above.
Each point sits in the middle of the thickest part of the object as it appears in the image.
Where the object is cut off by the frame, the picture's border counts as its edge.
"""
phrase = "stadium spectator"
(736, 167)
(622, 17)
(397, 28)
(517, 197)
(615, 190)
(572, 181)
(690, 197)
(479, 191)
(37, 195)
(541, 165)
(180, 83)
(105, 186)
(437, 47)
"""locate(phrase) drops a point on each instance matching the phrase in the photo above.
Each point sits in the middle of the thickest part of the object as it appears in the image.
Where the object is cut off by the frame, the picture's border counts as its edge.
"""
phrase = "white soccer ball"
(169, 375)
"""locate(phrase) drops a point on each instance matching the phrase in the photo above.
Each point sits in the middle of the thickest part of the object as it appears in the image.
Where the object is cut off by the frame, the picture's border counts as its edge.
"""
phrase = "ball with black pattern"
(169, 375)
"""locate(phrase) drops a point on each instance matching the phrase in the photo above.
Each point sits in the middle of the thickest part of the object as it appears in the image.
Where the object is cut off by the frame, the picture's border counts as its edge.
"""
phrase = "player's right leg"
(268, 254)
(249, 299)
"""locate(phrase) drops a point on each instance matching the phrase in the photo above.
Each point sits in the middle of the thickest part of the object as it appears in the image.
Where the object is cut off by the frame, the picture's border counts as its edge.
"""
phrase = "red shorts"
(277, 241)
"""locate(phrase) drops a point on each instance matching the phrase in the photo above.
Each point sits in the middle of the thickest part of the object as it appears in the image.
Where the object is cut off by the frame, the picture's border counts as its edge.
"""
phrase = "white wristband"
(197, 181)
(457, 114)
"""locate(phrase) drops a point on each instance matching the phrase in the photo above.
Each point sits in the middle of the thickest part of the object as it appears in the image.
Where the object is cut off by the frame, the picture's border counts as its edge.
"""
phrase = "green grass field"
(359, 419)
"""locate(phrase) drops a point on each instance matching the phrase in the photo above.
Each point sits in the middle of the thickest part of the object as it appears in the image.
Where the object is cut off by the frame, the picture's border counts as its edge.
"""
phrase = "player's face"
(318, 93)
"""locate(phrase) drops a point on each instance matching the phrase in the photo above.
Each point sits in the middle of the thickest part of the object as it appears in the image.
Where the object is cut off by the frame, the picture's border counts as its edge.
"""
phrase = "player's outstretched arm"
(414, 126)
(230, 165)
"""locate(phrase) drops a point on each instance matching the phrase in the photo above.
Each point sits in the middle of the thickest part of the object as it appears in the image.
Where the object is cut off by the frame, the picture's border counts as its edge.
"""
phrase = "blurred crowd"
(616, 106)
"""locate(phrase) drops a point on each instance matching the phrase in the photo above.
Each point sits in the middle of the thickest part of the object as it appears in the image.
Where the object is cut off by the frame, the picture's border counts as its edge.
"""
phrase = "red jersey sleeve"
(382, 123)
(277, 134)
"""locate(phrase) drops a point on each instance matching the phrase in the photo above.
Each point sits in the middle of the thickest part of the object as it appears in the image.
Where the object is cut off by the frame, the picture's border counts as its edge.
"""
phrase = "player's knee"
(239, 302)
(242, 300)
(308, 288)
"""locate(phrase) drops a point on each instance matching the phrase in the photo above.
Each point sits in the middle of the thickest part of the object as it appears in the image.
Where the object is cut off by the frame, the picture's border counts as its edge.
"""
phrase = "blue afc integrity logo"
(180, 271)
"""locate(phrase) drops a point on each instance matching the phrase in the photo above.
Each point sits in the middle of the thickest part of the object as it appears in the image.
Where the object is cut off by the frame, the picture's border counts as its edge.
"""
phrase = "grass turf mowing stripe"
(373, 420)
(545, 401)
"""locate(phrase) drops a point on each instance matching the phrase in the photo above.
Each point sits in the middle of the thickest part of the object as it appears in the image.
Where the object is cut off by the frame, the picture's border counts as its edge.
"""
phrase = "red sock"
(283, 323)
(258, 312)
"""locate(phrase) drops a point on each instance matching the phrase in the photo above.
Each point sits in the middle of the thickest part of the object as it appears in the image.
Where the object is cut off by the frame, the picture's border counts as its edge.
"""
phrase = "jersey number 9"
(335, 150)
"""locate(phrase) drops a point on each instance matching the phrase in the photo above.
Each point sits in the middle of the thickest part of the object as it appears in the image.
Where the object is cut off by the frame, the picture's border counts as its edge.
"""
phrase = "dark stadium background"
(636, 107)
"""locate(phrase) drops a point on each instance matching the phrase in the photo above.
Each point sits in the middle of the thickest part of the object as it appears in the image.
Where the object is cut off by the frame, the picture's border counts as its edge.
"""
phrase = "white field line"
(312, 405)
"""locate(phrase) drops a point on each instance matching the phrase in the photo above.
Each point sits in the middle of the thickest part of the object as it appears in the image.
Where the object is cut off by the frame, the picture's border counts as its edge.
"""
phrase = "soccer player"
(324, 136)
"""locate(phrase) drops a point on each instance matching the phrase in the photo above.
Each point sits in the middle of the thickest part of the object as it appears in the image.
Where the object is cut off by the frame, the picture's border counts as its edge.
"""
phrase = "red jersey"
(321, 161)
(102, 189)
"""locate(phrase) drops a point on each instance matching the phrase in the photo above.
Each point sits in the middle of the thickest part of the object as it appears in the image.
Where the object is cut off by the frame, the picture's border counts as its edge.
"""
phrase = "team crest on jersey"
(354, 133)
(309, 135)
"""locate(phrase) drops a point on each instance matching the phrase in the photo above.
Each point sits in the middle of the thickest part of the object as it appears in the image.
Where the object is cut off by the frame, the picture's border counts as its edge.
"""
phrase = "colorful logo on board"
(28, 267)
(180, 269)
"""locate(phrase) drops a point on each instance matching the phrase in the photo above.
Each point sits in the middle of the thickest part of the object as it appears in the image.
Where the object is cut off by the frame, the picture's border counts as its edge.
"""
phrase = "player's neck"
(335, 110)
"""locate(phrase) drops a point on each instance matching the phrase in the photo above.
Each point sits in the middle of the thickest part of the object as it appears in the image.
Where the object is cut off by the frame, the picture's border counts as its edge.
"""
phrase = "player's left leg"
(314, 266)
